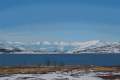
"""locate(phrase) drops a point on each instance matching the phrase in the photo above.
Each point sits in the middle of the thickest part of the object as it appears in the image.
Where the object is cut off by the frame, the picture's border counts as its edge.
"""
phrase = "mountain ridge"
(75, 47)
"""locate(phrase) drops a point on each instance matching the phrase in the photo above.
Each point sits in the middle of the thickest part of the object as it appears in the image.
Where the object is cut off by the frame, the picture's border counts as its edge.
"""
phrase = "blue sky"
(59, 20)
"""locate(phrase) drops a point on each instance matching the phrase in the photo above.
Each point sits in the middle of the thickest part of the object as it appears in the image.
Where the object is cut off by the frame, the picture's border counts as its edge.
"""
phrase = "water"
(59, 59)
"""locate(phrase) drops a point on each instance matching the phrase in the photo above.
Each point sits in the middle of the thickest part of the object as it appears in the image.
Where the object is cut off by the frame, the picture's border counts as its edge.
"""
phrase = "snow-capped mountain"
(94, 46)
(100, 47)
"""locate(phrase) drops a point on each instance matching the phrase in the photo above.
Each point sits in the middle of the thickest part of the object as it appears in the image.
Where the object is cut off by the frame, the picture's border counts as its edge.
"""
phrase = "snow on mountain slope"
(101, 47)
(94, 46)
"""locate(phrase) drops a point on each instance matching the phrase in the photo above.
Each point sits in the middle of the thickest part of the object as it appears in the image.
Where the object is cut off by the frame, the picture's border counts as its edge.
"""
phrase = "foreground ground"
(60, 73)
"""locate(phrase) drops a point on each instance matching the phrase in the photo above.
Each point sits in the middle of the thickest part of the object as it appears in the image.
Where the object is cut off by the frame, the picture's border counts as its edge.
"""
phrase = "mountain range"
(75, 47)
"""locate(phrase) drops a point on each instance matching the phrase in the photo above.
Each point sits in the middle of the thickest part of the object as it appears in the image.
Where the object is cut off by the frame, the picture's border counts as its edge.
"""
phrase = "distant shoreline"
(58, 53)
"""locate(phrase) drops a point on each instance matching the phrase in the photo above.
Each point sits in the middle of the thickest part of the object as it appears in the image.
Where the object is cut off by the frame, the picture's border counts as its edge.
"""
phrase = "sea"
(60, 59)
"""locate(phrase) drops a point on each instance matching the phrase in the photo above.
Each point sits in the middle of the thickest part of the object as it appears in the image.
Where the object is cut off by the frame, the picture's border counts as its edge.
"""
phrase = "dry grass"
(46, 69)
(32, 70)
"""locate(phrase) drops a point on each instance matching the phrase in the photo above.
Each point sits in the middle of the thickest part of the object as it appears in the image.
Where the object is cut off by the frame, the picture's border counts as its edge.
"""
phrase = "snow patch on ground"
(49, 76)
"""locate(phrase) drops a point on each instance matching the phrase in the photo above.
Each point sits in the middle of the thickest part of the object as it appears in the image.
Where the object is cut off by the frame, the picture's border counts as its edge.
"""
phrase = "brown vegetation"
(46, 69)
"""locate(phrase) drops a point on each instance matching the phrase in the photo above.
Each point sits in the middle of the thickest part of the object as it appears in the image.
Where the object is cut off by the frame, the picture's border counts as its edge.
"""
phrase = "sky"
(59, 20)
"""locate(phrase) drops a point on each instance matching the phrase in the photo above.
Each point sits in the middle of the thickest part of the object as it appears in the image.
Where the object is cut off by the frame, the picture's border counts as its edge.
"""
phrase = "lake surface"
(59, 59)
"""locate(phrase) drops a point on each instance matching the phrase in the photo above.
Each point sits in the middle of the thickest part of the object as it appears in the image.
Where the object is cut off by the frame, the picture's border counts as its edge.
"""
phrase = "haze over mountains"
(75, 47)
